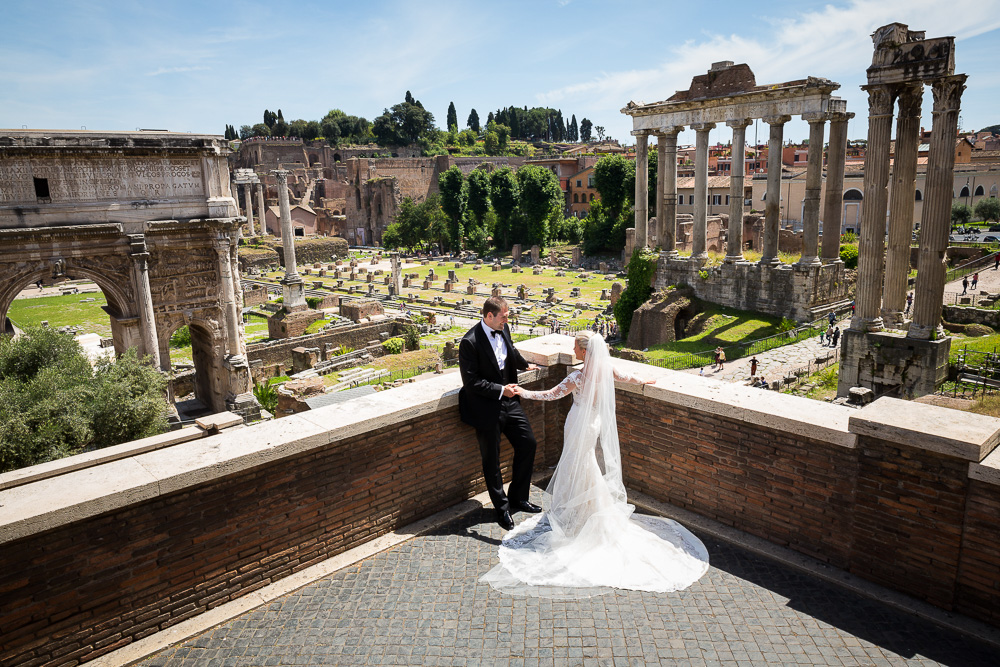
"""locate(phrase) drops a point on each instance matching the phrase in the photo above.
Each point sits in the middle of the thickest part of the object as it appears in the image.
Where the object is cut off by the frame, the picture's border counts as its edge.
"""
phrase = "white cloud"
(177, 70)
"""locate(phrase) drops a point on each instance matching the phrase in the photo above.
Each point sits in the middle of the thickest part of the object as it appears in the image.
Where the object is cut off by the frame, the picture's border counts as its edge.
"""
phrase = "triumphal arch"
(150, 218)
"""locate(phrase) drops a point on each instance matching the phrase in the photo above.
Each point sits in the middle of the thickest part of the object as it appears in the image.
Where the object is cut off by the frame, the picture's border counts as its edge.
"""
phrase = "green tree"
(473, 122)
(405, 123)
(540, 197)
(988, 209)
(454, 198)
(246, 131)
(574, 129)
(960, 214)
(585, 128)
(54, 404)
(260, 130)
(452, 117)
(504, 195)
(297, 127)
(478, 195)
(614, 178)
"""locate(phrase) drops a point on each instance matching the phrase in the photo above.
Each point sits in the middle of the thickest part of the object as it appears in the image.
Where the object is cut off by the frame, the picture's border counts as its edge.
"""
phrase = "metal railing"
(969, 267)
(976, 371)
(970, 300)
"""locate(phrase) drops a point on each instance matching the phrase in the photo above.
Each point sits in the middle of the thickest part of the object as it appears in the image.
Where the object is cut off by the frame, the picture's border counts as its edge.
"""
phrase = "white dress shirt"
(498, 345)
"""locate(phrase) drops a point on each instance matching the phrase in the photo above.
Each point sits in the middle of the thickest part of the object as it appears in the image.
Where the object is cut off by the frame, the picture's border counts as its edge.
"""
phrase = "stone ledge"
(987, 470)
(960, 434)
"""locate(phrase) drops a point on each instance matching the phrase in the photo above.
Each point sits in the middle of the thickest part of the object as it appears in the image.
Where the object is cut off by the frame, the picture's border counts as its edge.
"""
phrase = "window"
(579, 183)
(716, 200)
(590, 181)
(964, 192)
(576, 199)
(42, 189)
(299, 231)
(727, 200)
(918, 196)
(591, 196)
(853, 195)
(980, 191)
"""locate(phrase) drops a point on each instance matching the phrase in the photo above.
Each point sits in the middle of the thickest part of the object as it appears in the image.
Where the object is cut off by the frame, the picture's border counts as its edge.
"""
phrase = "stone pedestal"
(885, 361)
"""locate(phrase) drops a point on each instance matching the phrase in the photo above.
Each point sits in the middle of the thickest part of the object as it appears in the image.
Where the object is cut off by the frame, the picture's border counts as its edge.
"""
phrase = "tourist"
(589, 537)
(975, 280)
(829, 333)
(965, 284)
(701, 371)
(822, 337)
(836, 336)
(722, 358)
(996, 261)
(909, 303)
(753, 367)
(831, 317)
(715, 362)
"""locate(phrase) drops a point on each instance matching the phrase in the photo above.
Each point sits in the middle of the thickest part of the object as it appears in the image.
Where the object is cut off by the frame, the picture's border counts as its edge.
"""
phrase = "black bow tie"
(494, 332)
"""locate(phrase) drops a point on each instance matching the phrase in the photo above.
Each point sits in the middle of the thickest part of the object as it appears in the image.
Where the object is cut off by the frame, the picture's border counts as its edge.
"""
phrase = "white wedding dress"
(588, 541)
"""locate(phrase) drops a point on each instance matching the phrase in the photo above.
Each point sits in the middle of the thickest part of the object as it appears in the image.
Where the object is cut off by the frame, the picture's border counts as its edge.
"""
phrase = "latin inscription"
(99, 179)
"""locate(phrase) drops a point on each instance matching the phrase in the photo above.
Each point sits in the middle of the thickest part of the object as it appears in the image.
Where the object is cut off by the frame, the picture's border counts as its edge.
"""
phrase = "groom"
(489, 364)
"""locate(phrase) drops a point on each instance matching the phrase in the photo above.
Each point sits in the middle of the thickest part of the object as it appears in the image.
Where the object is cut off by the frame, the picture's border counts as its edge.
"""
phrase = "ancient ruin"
(728, 93)
(149, 217)
(882, 351)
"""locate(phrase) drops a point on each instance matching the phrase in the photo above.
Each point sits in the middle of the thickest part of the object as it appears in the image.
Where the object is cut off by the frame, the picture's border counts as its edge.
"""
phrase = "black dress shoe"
(503, 518)
(525, 506)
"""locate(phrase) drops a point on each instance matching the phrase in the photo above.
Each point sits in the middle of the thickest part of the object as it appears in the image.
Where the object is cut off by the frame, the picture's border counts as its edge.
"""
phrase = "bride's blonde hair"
(583, 338)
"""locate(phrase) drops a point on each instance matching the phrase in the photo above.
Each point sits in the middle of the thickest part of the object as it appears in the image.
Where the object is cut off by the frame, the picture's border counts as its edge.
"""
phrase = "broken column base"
(890, 363)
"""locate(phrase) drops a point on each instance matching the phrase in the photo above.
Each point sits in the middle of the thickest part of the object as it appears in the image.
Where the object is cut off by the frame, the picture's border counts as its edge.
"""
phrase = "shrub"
(848, 238)
(641, 268)
(849, 255)
(411, 335)
(393, 345)
(313, 301)
(267, 395)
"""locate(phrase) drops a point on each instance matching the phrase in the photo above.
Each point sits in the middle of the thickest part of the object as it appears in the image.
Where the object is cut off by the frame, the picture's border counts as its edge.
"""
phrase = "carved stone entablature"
(903, 55)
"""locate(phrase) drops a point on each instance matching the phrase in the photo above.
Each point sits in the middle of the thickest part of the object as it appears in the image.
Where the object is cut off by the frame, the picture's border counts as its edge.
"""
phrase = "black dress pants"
(516, 427)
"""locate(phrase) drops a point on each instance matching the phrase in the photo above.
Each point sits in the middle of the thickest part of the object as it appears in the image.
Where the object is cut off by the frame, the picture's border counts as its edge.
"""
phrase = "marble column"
(292, 284)
(734, 250)
(260, 209)
(666, 169)
(229, 309)
(700, 231)
(904, 184)
(833, 200)
(248, 198)
(641, 187)
(772, 206)
(661, 158)
(871, 245)
(147, 318)
(234, 269)
(814, 183)
(935, 219)
(236, 197)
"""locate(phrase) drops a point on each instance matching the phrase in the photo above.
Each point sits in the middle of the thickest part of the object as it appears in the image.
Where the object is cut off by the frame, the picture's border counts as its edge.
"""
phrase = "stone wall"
(784, 291)
(902, 494)
(966, 315)
(277, 355)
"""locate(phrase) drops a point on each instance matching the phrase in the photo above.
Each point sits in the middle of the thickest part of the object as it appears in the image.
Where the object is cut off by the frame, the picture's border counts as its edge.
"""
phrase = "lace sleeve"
(564, 388)
(621, 376)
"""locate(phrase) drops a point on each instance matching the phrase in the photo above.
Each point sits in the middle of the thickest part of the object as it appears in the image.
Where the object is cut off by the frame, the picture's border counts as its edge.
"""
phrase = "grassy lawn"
(395, 363)
(989, 344)
(722, 326)
(62, 311)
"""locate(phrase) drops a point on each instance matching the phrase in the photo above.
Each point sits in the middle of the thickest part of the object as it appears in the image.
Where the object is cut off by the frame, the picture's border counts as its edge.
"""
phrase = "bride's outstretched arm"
(564, 388)
(622, 376)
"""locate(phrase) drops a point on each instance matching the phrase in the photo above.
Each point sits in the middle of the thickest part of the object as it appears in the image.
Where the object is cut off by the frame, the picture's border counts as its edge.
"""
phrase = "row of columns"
(666, 201)
(248, 197)
(883, 262)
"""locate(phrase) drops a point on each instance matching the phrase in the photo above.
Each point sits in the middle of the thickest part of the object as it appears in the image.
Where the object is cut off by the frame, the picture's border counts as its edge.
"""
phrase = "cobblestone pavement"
(777, 363)
(421, 603)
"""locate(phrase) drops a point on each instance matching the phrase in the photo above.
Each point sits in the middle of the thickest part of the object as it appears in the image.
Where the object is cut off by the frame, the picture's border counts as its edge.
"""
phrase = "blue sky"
(195, 66)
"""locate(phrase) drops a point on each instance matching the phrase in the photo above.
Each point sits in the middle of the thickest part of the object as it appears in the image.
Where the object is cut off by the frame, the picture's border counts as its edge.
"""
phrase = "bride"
(589, 540)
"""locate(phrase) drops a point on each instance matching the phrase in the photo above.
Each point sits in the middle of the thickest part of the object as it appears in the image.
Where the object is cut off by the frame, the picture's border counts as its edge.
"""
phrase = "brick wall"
(890, 498)
(280, 352)
(88, 587)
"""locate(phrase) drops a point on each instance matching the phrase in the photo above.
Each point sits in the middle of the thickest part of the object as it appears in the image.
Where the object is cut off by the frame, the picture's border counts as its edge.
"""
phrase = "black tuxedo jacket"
(482, 381)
